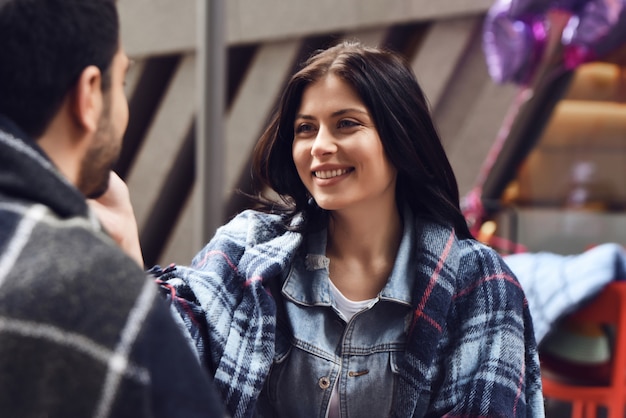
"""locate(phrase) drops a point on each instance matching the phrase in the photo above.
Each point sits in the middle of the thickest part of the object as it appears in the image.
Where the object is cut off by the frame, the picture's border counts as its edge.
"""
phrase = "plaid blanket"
(471, 350)
(83, 332)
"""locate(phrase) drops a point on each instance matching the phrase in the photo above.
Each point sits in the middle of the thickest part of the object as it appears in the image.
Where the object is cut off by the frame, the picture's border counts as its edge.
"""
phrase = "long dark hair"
(388, 88)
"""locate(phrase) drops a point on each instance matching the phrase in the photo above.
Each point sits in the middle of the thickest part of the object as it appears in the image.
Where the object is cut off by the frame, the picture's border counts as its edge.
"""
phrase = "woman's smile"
(329, 174)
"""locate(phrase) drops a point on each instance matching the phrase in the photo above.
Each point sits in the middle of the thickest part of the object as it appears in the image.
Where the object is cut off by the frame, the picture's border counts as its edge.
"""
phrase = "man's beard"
(93, 179)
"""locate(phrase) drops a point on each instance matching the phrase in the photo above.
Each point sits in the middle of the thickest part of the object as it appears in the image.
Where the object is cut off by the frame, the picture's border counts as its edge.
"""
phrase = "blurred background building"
(546, 161)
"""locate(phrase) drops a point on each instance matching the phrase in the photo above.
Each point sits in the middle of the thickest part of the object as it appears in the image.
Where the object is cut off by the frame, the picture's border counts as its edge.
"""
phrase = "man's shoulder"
(38, 248)
(65, 274)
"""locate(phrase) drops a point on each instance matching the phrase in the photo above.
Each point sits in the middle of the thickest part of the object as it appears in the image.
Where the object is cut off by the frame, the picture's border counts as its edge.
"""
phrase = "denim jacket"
(316, 350)
(450, 335)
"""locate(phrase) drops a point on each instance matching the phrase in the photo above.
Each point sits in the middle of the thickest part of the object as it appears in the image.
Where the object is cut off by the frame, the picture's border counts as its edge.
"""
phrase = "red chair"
(607, 308)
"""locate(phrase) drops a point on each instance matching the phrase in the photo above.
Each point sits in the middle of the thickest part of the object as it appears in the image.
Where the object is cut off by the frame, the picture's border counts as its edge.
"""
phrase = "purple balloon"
(598, 30)
(512, 47)
(515, 32)
(521, 9)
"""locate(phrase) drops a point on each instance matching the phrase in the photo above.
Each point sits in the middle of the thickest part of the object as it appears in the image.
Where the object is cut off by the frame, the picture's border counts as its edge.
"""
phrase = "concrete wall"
(446, 55)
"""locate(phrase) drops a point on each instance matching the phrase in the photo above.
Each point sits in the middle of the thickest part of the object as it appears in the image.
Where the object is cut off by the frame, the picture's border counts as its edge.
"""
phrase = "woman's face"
(337, 150)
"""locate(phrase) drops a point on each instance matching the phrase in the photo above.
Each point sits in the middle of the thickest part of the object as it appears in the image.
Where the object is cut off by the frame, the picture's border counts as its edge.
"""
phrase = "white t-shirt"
(348, 308)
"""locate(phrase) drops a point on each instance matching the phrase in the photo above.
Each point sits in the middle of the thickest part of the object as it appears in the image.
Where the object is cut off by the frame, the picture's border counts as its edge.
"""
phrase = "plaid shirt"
(83, 332)
(471, 350)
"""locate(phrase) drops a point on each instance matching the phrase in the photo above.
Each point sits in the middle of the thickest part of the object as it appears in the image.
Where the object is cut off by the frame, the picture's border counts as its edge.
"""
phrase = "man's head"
(53, 55)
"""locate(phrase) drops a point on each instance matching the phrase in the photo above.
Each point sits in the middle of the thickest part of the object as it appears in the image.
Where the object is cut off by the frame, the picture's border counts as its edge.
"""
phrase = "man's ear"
(87, 100)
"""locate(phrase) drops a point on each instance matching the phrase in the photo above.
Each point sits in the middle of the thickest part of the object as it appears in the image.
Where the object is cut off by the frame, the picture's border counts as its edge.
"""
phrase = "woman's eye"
(303, 128)
(347, 123)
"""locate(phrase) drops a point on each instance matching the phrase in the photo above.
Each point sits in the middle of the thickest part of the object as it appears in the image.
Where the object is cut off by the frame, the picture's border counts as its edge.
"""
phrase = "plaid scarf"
(83, 332)
(470, 352)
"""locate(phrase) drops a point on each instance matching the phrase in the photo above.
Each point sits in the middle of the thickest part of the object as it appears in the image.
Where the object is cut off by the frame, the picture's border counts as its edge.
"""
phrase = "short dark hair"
(389, 89)
(44, 47)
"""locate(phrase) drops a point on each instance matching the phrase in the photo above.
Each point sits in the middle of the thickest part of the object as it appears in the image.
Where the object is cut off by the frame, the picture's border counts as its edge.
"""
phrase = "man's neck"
(63, 144)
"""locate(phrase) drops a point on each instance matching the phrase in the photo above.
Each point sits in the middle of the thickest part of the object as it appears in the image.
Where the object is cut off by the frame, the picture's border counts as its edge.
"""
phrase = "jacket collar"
(307, 283)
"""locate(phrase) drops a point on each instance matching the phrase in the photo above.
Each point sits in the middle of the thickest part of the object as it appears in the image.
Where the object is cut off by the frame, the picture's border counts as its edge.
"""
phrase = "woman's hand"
(115, 212)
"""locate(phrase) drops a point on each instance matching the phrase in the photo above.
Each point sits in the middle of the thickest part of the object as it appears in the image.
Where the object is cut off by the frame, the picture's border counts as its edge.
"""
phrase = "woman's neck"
(362, 248)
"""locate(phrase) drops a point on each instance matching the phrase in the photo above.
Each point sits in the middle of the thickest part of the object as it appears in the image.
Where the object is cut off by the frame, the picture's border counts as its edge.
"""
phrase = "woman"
(363, 293)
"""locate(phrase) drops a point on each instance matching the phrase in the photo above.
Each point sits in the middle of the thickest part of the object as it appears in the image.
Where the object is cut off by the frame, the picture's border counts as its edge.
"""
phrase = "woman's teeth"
(327, 174)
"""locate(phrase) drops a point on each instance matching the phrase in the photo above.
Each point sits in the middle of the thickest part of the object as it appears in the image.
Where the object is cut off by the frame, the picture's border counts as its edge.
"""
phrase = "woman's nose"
(323, 144)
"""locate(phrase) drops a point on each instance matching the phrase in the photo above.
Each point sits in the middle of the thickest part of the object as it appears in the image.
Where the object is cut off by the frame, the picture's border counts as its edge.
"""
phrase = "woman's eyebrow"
(348, 110)
(334, 114)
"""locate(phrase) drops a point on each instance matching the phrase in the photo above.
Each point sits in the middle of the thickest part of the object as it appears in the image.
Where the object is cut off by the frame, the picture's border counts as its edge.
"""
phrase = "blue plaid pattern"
(471, 351)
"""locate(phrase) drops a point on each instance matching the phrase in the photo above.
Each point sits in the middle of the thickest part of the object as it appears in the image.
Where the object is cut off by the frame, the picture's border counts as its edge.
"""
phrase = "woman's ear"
(88, 101)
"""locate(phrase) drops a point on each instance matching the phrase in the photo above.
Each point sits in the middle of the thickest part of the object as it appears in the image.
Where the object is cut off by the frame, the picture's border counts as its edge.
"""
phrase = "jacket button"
(324, 382)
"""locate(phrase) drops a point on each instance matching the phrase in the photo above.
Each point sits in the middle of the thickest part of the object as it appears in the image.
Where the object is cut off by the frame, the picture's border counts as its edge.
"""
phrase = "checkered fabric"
(471, 350)
(83, 331)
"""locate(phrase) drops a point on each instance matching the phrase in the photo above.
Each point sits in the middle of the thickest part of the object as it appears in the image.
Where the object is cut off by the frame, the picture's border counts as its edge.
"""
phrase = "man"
(83, 332)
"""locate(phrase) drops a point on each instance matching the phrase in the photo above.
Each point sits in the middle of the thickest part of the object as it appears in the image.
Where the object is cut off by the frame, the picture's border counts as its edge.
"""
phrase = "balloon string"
(472, 205)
